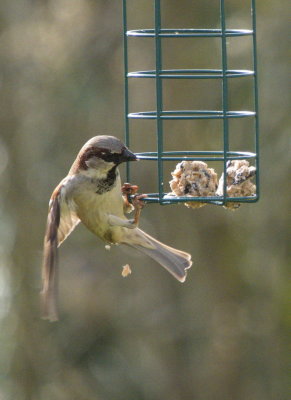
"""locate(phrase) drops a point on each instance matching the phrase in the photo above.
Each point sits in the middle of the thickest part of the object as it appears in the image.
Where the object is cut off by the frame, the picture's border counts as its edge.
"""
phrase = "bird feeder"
(225, 156)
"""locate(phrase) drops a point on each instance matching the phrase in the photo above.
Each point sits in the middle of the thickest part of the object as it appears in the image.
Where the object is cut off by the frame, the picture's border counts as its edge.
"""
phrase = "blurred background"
(221, 335)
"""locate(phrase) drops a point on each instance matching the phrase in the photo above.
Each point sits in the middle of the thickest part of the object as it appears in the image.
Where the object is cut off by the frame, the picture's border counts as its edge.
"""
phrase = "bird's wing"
(60, 223)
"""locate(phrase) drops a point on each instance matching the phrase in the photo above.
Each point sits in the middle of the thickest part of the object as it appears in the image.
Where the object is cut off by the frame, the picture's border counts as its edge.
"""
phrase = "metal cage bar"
(159, 74)
(224, 95)
(256, 96)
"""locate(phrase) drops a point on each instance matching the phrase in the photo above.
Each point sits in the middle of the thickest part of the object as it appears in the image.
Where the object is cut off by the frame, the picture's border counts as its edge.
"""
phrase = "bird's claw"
(136, 200)
(129, 190)
(138, 205)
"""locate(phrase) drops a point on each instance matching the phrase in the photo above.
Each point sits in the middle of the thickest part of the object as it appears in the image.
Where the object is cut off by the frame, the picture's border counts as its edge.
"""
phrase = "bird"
(92, 193)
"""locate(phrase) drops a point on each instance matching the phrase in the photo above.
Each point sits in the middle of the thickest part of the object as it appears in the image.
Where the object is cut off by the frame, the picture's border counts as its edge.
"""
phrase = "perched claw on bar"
(138, 204)
(135, 200)
(129, 190)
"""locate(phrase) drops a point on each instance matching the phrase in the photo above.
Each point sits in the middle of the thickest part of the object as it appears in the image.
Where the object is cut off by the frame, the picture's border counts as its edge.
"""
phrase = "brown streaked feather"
(60, 223)
(68, 222)
(49, 269)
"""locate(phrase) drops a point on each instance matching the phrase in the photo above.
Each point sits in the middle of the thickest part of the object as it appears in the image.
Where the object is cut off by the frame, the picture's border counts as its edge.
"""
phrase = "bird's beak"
(127, 155)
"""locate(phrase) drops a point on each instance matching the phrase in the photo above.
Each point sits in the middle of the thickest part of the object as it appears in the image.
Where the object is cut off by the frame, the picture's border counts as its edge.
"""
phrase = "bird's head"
(100, 154)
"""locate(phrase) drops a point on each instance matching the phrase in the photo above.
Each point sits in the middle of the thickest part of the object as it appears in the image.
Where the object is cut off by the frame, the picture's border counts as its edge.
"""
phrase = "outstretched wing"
(60, 223)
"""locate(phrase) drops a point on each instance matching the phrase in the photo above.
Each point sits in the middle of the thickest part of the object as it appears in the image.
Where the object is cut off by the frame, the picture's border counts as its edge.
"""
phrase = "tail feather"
(49, 269)
(174, 261)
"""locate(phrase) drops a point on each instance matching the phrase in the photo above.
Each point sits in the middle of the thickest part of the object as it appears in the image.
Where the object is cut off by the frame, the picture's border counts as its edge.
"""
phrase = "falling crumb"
(126, 270)
(238, 181)
(107, 247)
(193, 179)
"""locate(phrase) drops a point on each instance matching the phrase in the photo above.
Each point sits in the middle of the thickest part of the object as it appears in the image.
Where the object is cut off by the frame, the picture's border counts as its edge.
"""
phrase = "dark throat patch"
(106, 184)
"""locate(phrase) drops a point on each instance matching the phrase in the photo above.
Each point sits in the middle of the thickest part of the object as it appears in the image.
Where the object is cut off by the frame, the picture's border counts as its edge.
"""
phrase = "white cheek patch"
(97, 168)
(95, 162)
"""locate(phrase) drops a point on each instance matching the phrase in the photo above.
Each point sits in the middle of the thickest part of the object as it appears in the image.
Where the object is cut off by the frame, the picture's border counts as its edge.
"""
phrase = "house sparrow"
(92, 193)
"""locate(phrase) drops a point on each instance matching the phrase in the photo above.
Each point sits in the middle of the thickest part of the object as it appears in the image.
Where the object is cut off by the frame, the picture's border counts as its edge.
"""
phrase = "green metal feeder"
(160, 114)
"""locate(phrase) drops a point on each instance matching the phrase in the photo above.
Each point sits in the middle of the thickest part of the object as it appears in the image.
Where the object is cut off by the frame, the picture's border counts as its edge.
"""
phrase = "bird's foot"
(134, 199)
(138, 201)
(129, 190)
(138, 204)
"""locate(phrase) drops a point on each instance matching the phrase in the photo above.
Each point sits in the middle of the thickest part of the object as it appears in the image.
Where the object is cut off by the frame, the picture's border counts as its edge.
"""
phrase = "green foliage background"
(223, 334)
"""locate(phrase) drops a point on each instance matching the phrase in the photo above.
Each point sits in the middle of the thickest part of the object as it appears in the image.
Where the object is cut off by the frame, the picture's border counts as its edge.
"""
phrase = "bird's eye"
(111, 157)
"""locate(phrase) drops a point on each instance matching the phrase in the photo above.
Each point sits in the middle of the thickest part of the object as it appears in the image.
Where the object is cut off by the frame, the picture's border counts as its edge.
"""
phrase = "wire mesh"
(159, 74)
